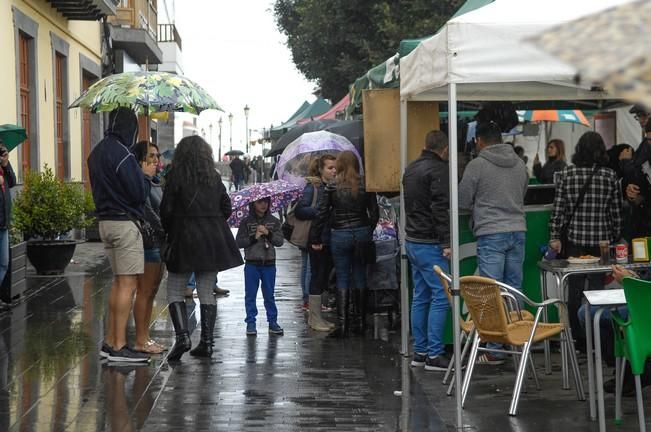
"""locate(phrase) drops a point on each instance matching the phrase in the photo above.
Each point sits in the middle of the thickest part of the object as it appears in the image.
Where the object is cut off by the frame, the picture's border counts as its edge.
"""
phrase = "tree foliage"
(335, 41)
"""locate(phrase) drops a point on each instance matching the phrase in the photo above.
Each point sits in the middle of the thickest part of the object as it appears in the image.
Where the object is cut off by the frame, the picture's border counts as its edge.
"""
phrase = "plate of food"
(583, 259)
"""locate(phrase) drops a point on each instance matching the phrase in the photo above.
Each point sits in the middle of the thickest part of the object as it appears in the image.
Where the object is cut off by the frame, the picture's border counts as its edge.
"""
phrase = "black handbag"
(566, 227)
(364, 252)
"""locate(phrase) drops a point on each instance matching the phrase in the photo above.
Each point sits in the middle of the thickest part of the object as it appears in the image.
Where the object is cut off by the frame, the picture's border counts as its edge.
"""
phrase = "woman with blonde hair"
(353, 214)
(322, 171)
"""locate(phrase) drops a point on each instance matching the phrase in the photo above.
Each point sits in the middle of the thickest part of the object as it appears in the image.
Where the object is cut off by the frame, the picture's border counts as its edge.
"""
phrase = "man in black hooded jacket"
(118, 187)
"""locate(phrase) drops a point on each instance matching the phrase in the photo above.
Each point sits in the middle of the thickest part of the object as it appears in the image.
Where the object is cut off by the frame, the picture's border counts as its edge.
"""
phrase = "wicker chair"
(468, 328)
(484, 299)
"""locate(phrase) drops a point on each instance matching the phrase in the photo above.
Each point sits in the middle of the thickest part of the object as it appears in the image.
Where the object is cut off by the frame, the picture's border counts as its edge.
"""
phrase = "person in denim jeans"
(353, 213)
(493, 187)
(427, 228)
(7, 181)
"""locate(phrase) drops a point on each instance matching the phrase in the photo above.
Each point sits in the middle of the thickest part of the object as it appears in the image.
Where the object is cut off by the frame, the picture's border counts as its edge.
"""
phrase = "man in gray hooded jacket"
(493, 187)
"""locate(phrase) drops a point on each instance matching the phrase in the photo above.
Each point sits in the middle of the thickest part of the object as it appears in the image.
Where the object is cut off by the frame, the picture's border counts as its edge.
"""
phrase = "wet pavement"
(51, 377)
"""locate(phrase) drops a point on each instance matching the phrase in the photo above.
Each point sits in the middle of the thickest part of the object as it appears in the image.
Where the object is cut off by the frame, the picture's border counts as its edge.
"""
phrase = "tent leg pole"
(454, 237)
(404, 265)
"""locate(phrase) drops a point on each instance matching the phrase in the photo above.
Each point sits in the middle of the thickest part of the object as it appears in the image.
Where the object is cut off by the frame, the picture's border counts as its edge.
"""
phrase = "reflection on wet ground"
(51, 378)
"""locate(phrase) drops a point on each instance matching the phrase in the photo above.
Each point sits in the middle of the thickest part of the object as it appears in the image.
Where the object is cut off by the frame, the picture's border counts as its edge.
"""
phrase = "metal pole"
(404, 265)
(230, 130)
(220, 140)
(454, 234)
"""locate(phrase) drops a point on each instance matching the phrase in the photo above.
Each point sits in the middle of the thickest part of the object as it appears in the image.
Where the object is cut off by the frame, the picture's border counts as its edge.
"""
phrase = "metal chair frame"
(524, 351)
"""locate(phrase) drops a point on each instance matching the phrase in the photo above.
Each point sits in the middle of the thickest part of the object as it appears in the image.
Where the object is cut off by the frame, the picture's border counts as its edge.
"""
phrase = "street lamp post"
(246, 121)
(219, 156)
(230, 129)
(210, 129)
(203, 133)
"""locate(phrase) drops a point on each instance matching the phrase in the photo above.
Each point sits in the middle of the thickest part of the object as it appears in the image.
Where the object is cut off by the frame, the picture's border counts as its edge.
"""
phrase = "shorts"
(153, 256)
(123, 244)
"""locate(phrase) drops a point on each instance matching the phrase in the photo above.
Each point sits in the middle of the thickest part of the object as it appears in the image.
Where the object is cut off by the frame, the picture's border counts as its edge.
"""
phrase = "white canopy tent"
(483, 56)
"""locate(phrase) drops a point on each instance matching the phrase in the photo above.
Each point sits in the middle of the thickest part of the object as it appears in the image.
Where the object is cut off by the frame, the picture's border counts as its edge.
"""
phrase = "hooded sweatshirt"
(260, 251)
(493, 187)
(116, 179)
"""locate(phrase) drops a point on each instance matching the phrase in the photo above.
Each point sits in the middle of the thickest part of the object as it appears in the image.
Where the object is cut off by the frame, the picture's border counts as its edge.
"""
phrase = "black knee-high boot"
(342, 313)
(179, 316)
(208, 316)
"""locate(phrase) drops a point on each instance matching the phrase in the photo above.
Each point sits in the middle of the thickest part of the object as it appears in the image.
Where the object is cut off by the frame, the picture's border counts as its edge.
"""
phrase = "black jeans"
(577, 286)
(321, 265)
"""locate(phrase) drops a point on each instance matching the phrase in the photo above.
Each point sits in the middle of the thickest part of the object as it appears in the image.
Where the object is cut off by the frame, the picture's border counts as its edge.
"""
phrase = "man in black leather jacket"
(427, 228)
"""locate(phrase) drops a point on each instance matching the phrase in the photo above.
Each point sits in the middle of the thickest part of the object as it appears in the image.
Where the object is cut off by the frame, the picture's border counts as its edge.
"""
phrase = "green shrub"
(47, 207)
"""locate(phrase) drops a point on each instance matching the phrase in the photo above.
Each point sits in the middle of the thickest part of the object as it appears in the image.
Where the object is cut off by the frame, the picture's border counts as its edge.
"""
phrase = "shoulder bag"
(297, 231)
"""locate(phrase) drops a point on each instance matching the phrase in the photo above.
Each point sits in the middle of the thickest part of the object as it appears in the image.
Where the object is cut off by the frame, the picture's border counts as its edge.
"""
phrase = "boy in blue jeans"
(259, 234)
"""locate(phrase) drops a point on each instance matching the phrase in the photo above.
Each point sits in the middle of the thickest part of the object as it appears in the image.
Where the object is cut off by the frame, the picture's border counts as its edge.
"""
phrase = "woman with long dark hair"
(555, 162)
(194, 210)
(321, 172)
(353, 214)
(596, 218)
(147, 154)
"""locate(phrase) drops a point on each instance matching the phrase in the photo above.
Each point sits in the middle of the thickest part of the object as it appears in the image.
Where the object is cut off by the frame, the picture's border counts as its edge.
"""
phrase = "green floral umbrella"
(146, 92)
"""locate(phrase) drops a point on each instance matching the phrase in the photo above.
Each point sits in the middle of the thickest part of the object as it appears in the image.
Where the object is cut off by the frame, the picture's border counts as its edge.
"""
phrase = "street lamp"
(210, 129)
(220, 139)
(246, 121)
(230, 129)
(203, 133)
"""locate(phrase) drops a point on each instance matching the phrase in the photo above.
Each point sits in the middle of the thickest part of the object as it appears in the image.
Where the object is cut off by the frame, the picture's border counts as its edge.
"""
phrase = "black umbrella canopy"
(295, 132)
(351, 129)
(234, 153)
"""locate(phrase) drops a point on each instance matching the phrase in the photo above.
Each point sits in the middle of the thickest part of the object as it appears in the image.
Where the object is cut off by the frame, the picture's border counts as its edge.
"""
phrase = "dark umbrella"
(12, 135)
(168, 154)
(353, 130)
(234, 153)
(291, 135)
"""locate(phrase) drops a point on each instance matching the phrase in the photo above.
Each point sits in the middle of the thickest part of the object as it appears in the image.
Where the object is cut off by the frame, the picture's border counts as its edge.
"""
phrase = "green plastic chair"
(632, 336)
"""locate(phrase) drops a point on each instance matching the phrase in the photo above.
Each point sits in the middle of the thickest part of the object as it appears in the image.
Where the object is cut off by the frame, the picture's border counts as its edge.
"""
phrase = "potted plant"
(45, 210)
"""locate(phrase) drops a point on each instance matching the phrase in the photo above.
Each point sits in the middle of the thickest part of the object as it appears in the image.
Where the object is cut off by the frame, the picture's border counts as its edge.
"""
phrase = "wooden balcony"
(85, 10)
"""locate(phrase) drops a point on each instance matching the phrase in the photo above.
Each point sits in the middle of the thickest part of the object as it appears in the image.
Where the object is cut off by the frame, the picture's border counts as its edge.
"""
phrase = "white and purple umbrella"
(295, 159)
(280, 192)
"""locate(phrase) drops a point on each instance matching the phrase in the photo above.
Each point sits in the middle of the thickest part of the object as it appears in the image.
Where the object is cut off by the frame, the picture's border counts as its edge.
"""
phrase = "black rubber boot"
(208, 316)
(360, 306)
(179, 316)
(342, 314)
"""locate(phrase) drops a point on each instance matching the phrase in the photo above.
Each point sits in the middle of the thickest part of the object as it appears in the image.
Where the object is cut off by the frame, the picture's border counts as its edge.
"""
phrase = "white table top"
(611, 297)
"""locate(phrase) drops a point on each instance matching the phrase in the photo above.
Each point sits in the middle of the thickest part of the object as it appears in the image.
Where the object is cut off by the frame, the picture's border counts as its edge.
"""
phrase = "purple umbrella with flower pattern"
(281, 193)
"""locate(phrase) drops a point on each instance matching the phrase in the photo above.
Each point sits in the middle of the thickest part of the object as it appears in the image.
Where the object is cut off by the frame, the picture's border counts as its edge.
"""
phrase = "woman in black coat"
(555, 162)
(194, 210)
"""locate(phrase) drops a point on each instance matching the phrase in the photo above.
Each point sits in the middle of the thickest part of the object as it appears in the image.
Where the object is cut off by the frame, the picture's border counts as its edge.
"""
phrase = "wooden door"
(58, 106)
(86, 135)
(25, 115)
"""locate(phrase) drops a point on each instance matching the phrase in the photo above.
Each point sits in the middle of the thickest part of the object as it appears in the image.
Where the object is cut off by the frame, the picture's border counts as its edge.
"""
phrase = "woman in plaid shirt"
(598, 217)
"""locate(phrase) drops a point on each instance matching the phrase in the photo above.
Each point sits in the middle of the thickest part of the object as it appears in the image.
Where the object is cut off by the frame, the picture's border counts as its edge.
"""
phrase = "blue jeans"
(4, 254)
(430, 305)
(306, 274)
(254, 277)
(342, 244)
(500, 257)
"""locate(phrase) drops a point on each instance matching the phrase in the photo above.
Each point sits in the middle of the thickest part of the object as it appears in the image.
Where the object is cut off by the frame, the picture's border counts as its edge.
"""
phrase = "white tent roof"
(484, 51)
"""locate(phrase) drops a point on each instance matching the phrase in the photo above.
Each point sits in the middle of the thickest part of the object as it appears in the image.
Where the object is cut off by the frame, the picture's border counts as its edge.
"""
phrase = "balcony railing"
(169, 33)
(137, 14)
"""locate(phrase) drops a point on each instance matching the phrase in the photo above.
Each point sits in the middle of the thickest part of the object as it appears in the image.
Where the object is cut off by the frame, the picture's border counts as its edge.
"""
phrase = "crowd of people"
(245, 171)
(179, 224)
(603, 196)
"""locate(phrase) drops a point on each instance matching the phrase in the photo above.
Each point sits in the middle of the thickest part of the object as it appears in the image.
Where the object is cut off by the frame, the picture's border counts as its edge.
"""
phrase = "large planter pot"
(50, 257)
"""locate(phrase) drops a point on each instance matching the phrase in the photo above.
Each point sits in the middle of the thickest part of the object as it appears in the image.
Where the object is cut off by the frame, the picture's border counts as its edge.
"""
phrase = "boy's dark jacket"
(259, 251)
